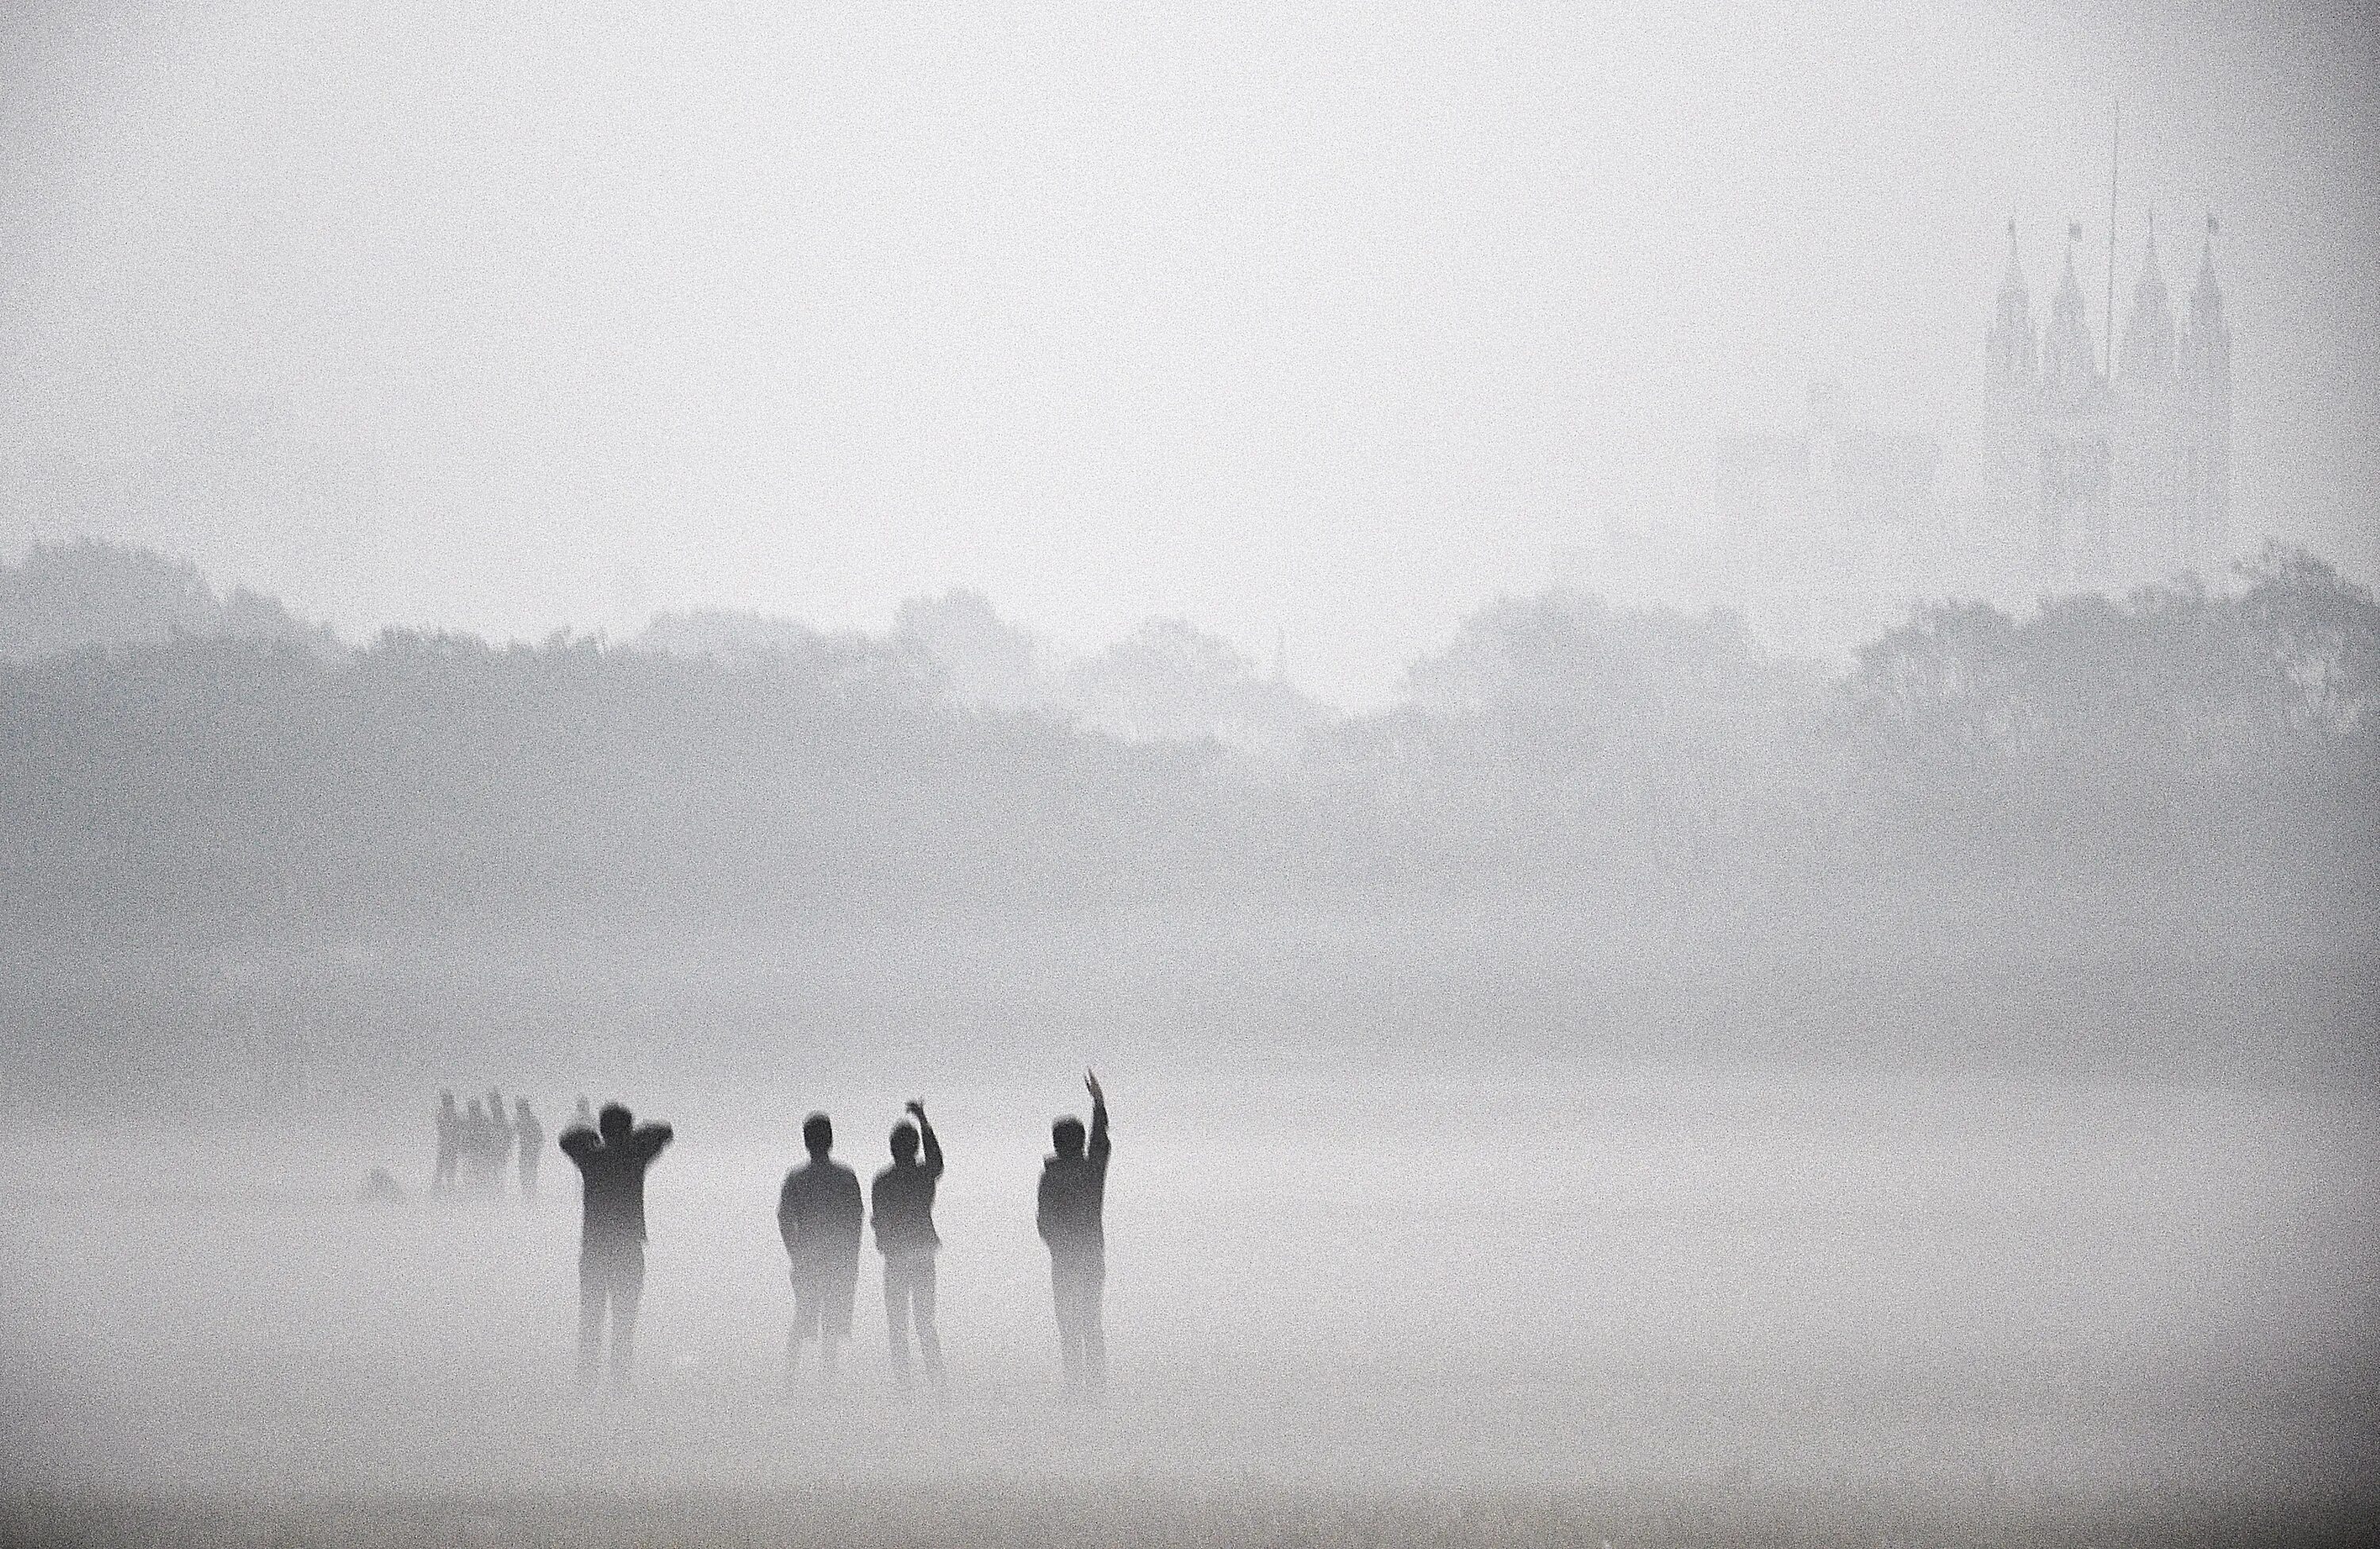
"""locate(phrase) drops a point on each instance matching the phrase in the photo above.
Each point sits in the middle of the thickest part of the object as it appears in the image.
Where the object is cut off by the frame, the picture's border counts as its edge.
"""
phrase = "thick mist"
(1692, 730)
(1334, 323)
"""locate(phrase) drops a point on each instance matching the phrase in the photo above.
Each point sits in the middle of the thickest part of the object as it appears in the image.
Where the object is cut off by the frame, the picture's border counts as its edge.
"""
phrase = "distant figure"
(611, 1160)
(529, 1135)
(500, 1142)
(1073, 1202)
(819, 1216)
(902, 1201)
(475, 1146)
(450, 1141)
(380, 1188)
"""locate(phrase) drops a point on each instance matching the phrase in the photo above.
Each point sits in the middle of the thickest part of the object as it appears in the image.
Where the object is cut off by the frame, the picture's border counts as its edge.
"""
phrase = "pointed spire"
(2068, 353)
(2148, 333)
(2009, 346)
(2206, 296)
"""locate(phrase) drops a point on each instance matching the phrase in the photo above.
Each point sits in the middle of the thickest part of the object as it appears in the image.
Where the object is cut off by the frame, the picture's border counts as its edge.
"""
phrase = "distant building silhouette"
(2120, 478)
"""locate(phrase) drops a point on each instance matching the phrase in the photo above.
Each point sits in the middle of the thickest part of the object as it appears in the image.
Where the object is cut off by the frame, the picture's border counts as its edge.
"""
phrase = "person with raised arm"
(611, 1160)
(1070, 1214)
(902, 1199)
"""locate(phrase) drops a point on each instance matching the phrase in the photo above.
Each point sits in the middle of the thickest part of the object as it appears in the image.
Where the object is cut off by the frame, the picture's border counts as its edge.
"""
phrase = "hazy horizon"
(1339, 326)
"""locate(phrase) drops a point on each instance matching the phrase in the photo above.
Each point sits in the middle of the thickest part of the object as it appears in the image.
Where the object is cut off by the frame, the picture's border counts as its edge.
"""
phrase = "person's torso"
(824, 1200)
(615, 1194)
(903, 1198)
(1073, 1200)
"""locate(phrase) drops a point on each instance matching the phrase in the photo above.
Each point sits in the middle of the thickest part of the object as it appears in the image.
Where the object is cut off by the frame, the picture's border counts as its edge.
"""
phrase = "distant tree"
(92, 594)
(985, 659)
(2322, 631)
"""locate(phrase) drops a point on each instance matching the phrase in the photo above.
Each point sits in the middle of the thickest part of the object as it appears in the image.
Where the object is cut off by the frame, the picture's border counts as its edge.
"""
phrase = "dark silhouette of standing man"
(450, 1141)
(531, 1135)
(901, 1198)
(611, 1160)
(819, 1216)
(1070, 1217)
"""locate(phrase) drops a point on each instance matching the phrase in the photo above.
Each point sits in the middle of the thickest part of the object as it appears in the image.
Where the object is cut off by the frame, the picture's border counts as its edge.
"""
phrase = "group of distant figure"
(820, 1218)
(475, 1144)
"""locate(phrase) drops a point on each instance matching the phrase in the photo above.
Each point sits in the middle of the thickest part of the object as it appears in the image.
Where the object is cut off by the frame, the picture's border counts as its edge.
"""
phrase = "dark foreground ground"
(1250, 1514)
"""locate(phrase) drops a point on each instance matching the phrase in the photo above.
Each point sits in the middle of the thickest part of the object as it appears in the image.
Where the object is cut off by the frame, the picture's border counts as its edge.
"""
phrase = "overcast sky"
(1334, 318)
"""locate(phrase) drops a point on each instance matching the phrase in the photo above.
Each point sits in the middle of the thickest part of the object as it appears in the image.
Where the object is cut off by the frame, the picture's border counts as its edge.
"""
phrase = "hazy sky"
(1336, 318)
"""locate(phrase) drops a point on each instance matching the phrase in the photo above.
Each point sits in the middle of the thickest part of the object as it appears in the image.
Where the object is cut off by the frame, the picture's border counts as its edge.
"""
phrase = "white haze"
(1335, 321)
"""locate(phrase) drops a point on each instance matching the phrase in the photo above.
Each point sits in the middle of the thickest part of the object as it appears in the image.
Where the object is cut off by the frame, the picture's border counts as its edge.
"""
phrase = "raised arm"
(926, 1134)
(648, 1140)
(1099, 1146)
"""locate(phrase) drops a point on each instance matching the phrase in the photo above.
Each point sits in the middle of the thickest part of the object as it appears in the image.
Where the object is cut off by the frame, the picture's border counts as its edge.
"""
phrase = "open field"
(1696, 1307)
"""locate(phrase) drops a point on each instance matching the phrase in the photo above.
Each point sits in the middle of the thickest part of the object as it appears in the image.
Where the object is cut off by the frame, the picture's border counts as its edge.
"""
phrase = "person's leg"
(898, 1288)
(1095, 1337)
(834, 1317)
(805, 1321)
(929, 1338)
(627, 1292)
(591, 1292)
(1070, 1338)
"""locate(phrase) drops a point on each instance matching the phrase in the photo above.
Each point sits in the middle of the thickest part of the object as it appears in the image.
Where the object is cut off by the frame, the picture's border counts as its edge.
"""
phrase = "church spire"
(2148, 333)
(2068, 357)
(2206, 296)
(2009, 346)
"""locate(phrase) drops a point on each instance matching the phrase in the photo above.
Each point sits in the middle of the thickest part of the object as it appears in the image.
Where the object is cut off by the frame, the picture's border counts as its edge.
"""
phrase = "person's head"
(615, 1122)
(1067, 1136)
(446, 1098)
(817, 1135)
(520, 1106)
(904, 1143)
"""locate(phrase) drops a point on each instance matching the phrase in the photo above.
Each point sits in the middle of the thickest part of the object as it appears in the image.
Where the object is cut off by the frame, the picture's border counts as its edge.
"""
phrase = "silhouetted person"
(611, 1160)
(1070, 1218)
(475, 1145)
(819, 1216)
(450, 1141)
(529, 1136)
(903, 1200)
(500, 1142)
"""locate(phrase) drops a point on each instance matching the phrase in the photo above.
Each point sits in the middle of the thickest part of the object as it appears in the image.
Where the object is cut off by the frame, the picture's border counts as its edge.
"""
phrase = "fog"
(1336, 323)
(1700, 766)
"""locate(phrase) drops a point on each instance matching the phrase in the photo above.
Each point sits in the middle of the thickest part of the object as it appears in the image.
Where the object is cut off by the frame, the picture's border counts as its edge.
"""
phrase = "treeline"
(2181, 739)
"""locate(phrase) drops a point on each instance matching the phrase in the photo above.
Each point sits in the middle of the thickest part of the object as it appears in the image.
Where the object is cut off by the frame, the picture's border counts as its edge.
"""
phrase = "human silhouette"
(1070, 1218)
(450, 1141)
(529, 1135)
(901, 1199)
(611, 1160)
(474, 1146)
(500, 1142)
(819, 1216)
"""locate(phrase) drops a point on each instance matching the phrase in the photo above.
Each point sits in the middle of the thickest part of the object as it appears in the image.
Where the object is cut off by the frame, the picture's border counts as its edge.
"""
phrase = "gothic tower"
(2205, 391)
(2150, 520)
(2072, 430)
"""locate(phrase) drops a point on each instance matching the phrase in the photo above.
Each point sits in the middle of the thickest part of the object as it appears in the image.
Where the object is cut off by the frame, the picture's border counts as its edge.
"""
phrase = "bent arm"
(648, 1140)
(579, 1143)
